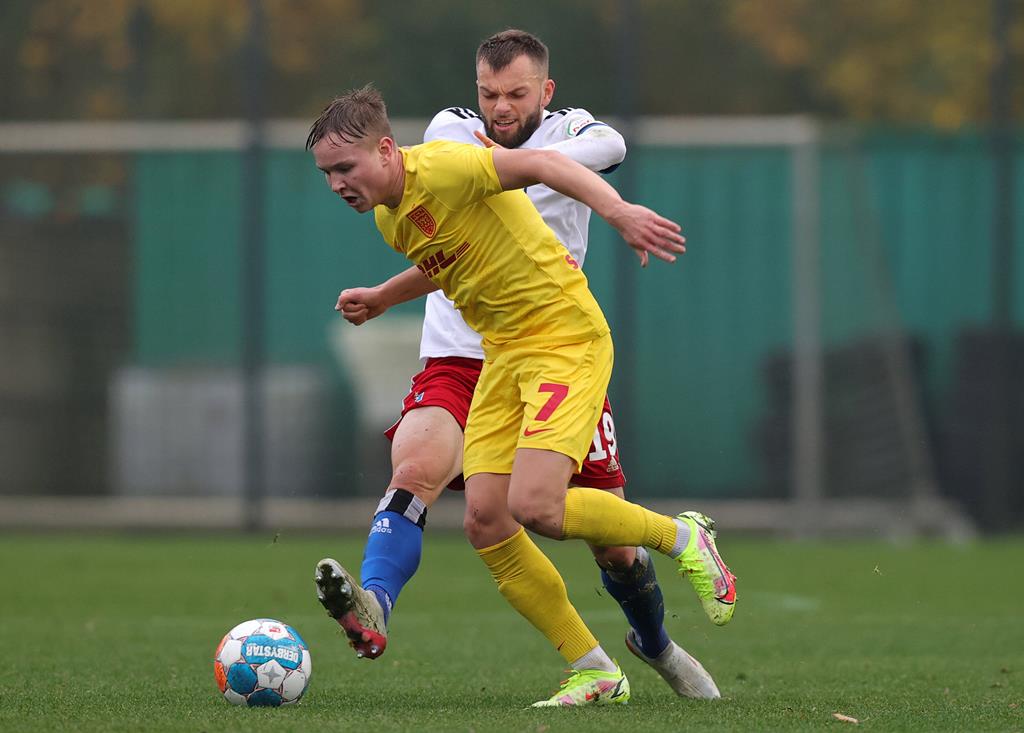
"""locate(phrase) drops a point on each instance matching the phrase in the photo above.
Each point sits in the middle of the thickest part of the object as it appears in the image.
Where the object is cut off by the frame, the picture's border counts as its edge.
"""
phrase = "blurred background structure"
(844, 336)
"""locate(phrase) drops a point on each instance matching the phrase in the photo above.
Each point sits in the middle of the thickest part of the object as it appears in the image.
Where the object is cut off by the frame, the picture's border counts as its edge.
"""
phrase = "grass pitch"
(117, 633)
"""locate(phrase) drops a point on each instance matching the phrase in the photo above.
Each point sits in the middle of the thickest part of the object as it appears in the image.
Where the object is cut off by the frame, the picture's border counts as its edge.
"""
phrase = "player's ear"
(547, 92)
(385, 147)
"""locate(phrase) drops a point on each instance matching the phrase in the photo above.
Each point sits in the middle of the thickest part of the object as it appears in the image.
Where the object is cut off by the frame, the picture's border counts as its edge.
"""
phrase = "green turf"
(117, 633)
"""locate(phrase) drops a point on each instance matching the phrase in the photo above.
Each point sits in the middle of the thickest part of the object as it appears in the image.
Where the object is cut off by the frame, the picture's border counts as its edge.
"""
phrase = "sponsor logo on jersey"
(418, 397)
(382, 526)
(612, 466)
(438, 261)
(572, 262)
(423, 220)
(574, 126)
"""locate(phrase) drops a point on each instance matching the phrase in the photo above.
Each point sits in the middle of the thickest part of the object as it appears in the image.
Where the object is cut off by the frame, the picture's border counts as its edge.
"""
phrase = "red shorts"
(449, 382)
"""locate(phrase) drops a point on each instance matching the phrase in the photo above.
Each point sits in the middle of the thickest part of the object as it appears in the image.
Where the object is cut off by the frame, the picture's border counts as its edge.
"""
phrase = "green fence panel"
(925, 202)
(706, 323)
(189, 271)
(316, 246)
(905, 229)
(188, 222)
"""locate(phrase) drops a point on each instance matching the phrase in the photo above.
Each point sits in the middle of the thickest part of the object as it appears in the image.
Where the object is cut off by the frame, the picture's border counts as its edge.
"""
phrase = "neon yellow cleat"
(703, 567)
(590, 687)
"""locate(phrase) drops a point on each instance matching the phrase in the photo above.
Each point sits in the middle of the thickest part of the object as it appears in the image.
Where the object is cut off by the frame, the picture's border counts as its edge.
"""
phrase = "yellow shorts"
(537, 397)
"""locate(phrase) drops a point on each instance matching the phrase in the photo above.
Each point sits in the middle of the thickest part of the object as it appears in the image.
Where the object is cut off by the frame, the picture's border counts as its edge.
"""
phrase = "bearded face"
(512, 100)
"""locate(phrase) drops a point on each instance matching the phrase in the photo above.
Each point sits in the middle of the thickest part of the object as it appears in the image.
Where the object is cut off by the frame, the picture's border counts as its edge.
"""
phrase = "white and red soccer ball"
(262, 662)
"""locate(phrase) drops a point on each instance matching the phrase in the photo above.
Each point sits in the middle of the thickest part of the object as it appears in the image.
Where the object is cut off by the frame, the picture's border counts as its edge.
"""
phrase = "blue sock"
(394, 546)
(638, 593)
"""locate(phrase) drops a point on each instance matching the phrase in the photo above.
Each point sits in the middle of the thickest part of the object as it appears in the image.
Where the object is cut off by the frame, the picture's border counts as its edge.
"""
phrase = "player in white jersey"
(427, 441)
(573, 132)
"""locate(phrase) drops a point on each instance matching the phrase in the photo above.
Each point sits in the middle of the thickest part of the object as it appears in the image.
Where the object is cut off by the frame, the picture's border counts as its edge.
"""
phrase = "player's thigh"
(538, 482)
(487, 520)
(492, 428)
(426, 453)
(564, 394)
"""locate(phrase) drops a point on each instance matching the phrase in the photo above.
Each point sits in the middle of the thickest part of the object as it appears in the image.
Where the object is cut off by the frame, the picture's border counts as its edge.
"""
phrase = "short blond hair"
(355, 115)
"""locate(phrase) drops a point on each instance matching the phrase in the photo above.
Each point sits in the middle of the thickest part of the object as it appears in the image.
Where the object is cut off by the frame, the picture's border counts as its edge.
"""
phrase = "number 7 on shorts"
(558, 394)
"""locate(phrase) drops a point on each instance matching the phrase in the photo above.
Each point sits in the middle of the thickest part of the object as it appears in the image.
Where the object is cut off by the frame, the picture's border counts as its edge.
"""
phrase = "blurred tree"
(167, 58)
(912, 61)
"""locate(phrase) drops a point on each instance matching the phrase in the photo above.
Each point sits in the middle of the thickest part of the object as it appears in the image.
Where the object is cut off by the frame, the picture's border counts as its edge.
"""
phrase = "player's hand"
(649, 233)
(358, 305)
(488, 143)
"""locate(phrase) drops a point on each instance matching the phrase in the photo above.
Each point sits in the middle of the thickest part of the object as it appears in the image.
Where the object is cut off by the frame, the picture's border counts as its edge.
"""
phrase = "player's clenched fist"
(358, 305)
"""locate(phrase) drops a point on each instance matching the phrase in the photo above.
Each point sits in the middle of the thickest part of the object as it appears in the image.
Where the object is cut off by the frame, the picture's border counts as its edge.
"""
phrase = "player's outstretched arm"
(358, 305)
(601, 149)
(646, 231)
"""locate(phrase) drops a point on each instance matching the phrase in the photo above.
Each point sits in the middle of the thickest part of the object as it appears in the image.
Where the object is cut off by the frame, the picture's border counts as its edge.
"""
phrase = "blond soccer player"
(454, 210)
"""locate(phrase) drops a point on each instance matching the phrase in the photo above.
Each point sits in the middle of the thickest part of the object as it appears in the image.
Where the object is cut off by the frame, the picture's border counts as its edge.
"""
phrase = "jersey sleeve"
(459, 175)
(456, 124)
(589, 142)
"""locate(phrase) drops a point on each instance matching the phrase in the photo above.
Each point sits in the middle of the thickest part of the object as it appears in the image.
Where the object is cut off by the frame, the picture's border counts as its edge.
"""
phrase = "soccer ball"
(262, 662)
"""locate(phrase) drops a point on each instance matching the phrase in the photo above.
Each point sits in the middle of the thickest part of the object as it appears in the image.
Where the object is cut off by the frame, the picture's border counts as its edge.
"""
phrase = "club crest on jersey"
(438, 261)
(423, 220)
(574, 126)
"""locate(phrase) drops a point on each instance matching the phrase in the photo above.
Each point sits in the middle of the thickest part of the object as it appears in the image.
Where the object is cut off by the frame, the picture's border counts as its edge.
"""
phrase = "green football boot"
(703, 567)
(590, 687)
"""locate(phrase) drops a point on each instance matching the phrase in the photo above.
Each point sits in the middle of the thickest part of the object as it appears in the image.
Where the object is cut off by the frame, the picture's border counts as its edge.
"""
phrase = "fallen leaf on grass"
(845, 718)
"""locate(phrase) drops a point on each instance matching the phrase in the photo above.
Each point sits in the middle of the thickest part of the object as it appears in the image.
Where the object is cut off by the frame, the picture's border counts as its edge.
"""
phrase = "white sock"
(682, 538)
(595, 659)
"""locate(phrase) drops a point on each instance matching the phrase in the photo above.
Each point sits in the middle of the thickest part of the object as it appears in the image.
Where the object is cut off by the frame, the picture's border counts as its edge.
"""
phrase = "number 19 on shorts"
(606, 426)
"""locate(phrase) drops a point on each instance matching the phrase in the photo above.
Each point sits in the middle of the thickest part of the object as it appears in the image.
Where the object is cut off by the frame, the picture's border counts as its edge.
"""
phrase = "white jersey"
(573, 132)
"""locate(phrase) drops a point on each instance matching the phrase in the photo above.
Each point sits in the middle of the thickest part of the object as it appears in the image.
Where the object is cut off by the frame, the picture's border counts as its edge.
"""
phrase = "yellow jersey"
(489, 250)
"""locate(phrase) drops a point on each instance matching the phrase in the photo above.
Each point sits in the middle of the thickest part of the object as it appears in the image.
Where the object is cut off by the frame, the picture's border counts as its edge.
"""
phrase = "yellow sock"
(532, 585)
(604, 519)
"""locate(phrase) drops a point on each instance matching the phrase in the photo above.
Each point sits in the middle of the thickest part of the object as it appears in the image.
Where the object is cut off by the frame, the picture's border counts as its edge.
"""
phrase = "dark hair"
(503, 48)
(354, 115)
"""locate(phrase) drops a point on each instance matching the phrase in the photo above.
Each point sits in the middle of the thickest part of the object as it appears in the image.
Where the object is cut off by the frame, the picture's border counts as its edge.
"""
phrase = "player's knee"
(418, 477)
(478, 531)
(486, 528)
(615, 559)
(536, 516)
